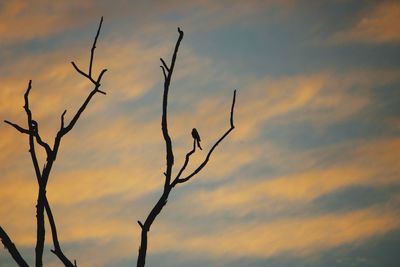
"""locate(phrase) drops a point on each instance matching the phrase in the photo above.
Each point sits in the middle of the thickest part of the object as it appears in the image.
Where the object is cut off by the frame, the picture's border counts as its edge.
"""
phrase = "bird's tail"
(198, 144)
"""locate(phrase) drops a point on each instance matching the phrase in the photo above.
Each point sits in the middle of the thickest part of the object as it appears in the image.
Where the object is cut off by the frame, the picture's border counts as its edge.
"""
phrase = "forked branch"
(43, 175)
(168, 185)
(179, 180)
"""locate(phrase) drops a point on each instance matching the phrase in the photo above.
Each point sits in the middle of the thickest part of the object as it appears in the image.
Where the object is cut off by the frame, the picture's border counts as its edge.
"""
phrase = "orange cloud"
(321, 98)
(304, 236)
(24, 19)
(380, 25)
(357, 166)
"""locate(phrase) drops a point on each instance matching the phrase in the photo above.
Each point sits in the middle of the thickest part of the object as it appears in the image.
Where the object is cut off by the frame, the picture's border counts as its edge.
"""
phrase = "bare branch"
(204, 163)
(31, 137)
(35, 132)
(26, 95)
(164, 73)
(82, 73)
(232, 109)
(168, 186)
(99, 80)
(171, 68)
(57, 248)
(71, 124)
(164, 64)
(42, 177)
(35, 126)
(187, 158)
(17, 127)
(164, 122)
(62, 119)
(41, 195)
(94, 47)
(101, 92)
(65, 130)
(9, 245)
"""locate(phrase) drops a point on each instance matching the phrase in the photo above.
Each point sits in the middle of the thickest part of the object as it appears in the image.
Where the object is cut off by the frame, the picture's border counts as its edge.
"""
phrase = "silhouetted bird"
(196, 137)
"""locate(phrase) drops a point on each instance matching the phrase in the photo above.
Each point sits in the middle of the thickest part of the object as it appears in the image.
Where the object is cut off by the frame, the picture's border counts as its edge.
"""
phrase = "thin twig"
(164, 73)
(187, 158)
(17, 127)
(82, 73)
(39, 139)
(94, 47)
(204, 163)
(164, 64)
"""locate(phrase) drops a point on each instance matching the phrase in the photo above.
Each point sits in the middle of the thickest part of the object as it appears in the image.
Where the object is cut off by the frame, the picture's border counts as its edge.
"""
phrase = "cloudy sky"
(309, 177)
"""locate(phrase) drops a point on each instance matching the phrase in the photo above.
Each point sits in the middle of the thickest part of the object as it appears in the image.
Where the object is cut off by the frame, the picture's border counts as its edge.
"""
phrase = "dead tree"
(42, 175)
(178, 179)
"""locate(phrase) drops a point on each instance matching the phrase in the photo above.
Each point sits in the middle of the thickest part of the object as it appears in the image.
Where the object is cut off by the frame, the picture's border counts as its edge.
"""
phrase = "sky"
(310, 176)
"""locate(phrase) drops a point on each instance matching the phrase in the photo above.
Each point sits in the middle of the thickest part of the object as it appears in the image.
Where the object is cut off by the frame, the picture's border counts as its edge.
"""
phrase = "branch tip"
(232, 108)
(17, 127)
(164, 64)
(94, 47)
(101, 92)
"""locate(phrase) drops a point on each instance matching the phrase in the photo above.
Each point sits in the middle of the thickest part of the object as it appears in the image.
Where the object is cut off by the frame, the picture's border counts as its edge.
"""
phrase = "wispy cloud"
(296, 235)
(294, 141)
(379, 25)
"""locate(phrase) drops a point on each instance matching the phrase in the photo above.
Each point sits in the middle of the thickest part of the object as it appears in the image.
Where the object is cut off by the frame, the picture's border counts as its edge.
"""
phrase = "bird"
(196, 137)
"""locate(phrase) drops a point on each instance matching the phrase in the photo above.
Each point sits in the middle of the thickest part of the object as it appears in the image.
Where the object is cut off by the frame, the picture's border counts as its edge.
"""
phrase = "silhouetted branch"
(82, 73)
(187, 158)
(94, 47)
(62, 119)
(43, 176)
(64, 130)
(164, 73)
(168, 186)
(57, 248)
(17, 127)
(164, 121)
(40, 233)
(204, 163)
(39, 139)
(72, 123)
(9, 245)
(164, 64)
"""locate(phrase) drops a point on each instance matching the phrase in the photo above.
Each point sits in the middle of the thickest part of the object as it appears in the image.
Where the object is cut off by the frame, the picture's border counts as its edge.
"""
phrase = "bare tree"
(178, 179)
(42, 175)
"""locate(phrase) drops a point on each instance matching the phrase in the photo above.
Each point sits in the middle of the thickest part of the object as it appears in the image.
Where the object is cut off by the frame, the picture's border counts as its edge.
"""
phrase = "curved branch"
(187, 158)
(42, 177)
(39, 139)
(164, 122)
(57, 248)
(204, 163)
(164, 64)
